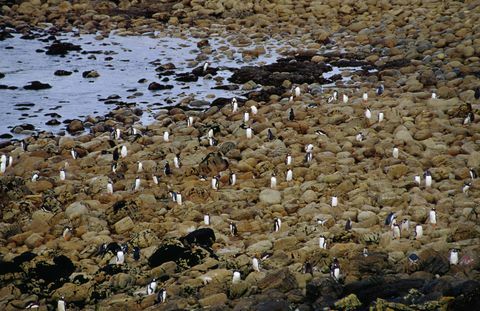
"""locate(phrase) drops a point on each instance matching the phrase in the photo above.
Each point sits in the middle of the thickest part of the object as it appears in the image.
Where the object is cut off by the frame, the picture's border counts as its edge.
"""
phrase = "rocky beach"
(309, 155)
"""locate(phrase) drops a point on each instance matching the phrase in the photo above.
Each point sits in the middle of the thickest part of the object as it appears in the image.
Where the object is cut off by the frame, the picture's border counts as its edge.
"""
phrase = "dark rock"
(2, 75)
(186, 77)
(154, 86)
(6, 136)
(37, 85)
(90, 74)
(62, 73)
(272, 305)
(282, 280)
(16, 264)
(323, 290)
(23, 127)
(433, 262)
(204, 237)
(164, 67)
(62, 48)
(5, 35)
(55, 274)
(229, 87)
(53, 122)
(176, 252)
(212, 164)
(75, 126)
(199, 72)
(467, 296)
(203, 43)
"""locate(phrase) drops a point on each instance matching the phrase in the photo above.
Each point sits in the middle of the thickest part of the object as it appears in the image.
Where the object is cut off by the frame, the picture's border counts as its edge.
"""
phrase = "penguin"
(428, 179)
(368, 113)
(321, 133)
(10, 161)
(413, 258)
(466, 187)
(249, 132)
(289, 175)
(173, 195)
(417, 179)
(254, 110)
(35, 177)
(365, 97)
(454, 257)
(32, 305)
(333, 98)
(321, 221)
(469, 118)
(212, 141)
(277, 224)
(205, 66)
(291, 115)
(161, 296)
(24, 145)
(166, 136)
(210, 133)
(256, 264)
(348, 225)
(166, 169)
(136, 253)
(155, 179)
(395, 152)
(360, 137)
(396, 231)
(270, 135)
(206, 219)
(234, 105)
(74, 154)
(296, 91)
(334, 201)
(434, 95)
(309, 148)
(117, 134)
(3, 164)
(418, 234)
(380, 117)
(123, 151)
(61, 304)
(390, 219)
(236, 277)
(139, 167)
(473, 173)
(246, 117)
(380, 89)
(133, 131)
(233, 229)
(365, 252)
(432, 216)
(102, 249)
(115, 154)
(273, 181)
(345, 99)
(152, 287)
(335, 269)
(179, 199)
(405, 225)
(136, 186)
(67, 233)
(308, 157)
(232, 179)
(322, 242)
(190, 121)
(216, 182)
(307, 268)
(62, 174)
(110, 186)
(120, 257)
(176, 161)
(288, 159)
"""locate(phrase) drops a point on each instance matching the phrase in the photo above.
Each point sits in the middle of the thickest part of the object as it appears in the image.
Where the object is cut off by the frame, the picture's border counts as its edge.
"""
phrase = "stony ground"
(415, 47)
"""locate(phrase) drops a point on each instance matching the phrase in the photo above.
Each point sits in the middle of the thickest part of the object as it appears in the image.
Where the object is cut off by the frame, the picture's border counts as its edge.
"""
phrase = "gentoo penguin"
(232, 179)
(413, 258)
(270, 135)
(249, 132)
(291, 115)
(308, 157)
(139, 167)
(289, 175)
(3, 164)
(133, 131)
(309, 148)
(322, 242)
(24, 145)
(236, 277)
(32, 305)
(120, 258)
(254, 110)
(395, 152)
(255, 264)
(62, 174)
(380, 117)
(345, 98)
(110, 186)
(333, 97)
(469, 118)
(307, 268)
(396, 231)
(365, 252)
(288, 159)
(35, 177)
(212, 141)
(210, 133)
(473, 173)
(466, 186)
(365, 97)
(246, 117)
(233, 229)
(454, 256)
(67, 233)
(428, 178)
(161, 296)
(10, 161)
(152, 287)
(234, 105)
(74, 153)
(179, 199)
(155, 179)
(432, 216)
(123, 151)
(277, 224)
(296, 91)
(117, 134)
(335, 269)
(390, 219)
(321, 133)
(166, 136)
(368, 113)
(173, 195)
(334, 201)
(434, 95)
(61, 304)
(190, 121)
(206, 220)
(136, 253)
(348, 225)
(380, 90)
(418, 234)
(417, 179)
(166, 169)
(137, 183)
(273, 181)
(116, 154)
(216, 182)
(360, 137)
(405, 225)
(176, 161)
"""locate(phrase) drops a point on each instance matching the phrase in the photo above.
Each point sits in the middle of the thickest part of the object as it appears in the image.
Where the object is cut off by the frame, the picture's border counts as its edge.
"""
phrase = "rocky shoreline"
(100, 221)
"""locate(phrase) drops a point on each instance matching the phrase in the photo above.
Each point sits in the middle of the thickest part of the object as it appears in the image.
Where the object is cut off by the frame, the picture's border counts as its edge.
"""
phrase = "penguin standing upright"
(232, 179)
(291, 115)
(277, 224)
(322, 242)
(428, 179)
(216, 182)
(161, 296)
(110, 186)
(273, 181)
(335, 269)
(270, 135)
(137, 184)
(289, 175)
(234, 105)
(166, 169)
(206, 219)
(334, 201)
(136, 253)
(176, 161)
(380, 89)
(255, 264)
(432, 216)
(307, 268)
(62, 174)
(418, 233)
(233, 229)
(236, 277)
(152, 287)
(61, 306)
(454, 256)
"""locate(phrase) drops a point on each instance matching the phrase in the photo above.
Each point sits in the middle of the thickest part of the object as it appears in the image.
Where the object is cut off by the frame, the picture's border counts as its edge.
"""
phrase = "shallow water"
(76, 97)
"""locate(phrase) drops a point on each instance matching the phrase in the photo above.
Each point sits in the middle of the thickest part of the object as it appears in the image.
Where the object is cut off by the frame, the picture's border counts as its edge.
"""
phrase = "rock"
(397, 171)
(212, 164)
(270, 196)
(123, 225)
(90, 74)
(309, 196)
(154, 86)
(365, 215)
(203, 236)
(260, 247)
(271, 305)
(350, 302)
(76, 210)
(282, 280)
(75, 126)
(34, 240)
(62, 48)
(37, 85)
(213, 300)
(62, 73)
(323, 290)
(433, 262)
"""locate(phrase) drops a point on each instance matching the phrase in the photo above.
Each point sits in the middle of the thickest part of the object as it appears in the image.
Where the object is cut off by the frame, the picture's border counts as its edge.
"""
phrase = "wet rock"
(90, 74)
(272, 305)
(62, 73)
(2, 75)
(212, 164)
(56, 273)
(75, 126)
(203, 237)
(154, 86)
(176, 252)
(4, 34)
(37, 85)
(350, 302)
(15, 265)
(324, 291)
(270, 196)
(434, 262)
(53, 122)
(62, 48)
